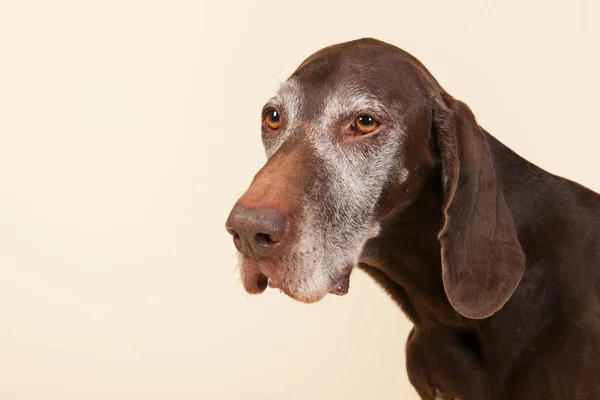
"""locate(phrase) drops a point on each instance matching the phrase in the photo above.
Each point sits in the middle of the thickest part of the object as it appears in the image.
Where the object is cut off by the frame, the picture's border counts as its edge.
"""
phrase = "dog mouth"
(339, 289)
(256, 277)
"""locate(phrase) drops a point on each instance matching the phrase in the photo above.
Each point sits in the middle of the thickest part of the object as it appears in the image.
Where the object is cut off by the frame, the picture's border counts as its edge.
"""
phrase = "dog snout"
(256, 232)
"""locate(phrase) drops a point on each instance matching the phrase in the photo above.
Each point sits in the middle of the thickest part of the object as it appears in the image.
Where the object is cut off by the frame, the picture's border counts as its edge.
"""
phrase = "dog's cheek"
(270, 146)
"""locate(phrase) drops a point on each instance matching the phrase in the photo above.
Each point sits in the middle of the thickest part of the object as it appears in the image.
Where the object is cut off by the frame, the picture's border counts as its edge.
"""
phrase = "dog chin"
(255, 281)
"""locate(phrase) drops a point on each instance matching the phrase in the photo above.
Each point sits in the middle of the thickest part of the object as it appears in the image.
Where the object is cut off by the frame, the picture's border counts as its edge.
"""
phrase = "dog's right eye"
(364, 124)
(272, 119)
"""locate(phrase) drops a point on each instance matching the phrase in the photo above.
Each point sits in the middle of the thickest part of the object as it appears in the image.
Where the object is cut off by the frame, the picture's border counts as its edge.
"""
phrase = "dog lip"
(341, 288)
(261, 283)
(253, 279)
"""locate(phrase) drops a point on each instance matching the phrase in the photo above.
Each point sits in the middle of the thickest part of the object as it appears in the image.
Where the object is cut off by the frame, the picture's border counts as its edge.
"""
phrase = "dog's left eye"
(364, 124)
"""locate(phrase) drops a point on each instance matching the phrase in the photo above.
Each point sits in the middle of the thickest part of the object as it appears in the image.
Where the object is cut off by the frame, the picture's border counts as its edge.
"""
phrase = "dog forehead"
(341, 99)
(371, 89)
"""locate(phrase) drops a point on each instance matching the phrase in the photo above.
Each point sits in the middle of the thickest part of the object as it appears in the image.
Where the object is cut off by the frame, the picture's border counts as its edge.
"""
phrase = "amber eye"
(364, 124)
(272, 119)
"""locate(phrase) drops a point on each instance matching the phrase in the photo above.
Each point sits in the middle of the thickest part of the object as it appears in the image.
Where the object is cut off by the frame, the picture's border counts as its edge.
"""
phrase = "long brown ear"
(482, 260)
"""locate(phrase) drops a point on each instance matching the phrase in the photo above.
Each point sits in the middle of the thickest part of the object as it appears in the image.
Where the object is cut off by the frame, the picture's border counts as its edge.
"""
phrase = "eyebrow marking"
(288, 99)
(350, 99)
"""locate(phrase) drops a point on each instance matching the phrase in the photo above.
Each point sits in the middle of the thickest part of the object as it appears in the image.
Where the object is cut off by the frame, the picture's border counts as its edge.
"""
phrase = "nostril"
(256, 232)
(264, 240)
(237, 240)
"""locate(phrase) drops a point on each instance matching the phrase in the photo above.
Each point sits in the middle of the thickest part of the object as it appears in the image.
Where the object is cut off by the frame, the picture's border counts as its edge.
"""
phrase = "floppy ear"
(482, 260)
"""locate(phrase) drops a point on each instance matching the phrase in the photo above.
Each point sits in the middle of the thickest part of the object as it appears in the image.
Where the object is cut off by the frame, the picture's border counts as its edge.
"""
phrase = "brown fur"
(494, 260)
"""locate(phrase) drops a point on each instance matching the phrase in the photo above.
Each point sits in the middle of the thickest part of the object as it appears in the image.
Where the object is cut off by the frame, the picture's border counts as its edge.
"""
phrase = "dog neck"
(405, 257)
(405, 260)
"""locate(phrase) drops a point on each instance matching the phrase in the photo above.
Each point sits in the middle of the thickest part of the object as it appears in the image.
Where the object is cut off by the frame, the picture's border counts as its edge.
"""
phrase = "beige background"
(127, 131)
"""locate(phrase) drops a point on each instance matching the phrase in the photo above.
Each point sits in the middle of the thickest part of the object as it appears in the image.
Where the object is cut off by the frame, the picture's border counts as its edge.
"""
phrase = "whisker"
(273, 73)
(386, 245)
(236, 285)
(315, 284)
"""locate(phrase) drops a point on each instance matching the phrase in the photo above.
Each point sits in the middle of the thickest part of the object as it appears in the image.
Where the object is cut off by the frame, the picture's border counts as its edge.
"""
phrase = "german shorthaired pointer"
(495, 261)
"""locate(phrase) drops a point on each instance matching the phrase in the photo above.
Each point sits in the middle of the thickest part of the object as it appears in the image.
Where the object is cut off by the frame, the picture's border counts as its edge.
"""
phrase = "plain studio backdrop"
(129, 129)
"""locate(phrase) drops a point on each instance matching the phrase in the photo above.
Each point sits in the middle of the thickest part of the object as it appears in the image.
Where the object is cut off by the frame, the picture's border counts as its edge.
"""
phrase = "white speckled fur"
(356, 178)
(289, 101)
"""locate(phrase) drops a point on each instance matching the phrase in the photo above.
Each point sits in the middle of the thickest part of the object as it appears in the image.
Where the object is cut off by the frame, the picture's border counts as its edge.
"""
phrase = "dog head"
(350, 137)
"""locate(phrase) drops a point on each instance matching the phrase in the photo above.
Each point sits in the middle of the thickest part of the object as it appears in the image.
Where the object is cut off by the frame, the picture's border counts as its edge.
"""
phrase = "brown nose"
(256, 231)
